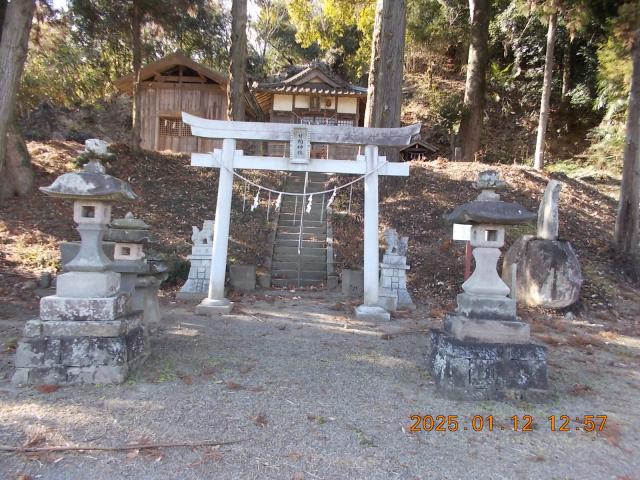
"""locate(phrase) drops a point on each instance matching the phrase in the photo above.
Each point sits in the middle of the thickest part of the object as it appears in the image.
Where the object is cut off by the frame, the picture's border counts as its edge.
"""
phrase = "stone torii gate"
(300, 138)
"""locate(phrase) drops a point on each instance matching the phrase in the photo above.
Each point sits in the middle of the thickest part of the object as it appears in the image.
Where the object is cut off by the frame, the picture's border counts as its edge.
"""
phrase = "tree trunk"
(384, 95)
(566, 71)
(136, 42)
(538, 163)
(17, 178)
(14, 43)
(627, 233)
(476, 84)
(238, 66)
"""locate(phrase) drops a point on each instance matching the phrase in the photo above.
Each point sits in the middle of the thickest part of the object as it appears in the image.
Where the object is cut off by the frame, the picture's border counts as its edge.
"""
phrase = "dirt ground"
(310, 393)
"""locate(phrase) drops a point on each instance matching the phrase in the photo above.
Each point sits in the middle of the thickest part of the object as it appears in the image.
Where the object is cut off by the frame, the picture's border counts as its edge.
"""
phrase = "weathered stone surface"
(242, 277)
(548, 222)
(485, 281)
(87, 284)
(548, 272)
(105, 328)
(90, 351)
(68, 250)
(92, 182)
(488, 331)
(145, 298)
(352, 282)
(213, 308)
(372, 313)
(81, 359)
(80, 309)
(485, 307)
(484, 371)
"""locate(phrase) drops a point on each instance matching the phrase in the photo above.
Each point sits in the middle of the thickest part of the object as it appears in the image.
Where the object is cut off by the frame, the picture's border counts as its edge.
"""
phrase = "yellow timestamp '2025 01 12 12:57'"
(518, 423)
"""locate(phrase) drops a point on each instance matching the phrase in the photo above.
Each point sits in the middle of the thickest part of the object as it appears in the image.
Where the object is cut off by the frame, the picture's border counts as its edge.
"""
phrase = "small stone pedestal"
(485, 351)
(393, 273)
(87, 332)
(197, 284)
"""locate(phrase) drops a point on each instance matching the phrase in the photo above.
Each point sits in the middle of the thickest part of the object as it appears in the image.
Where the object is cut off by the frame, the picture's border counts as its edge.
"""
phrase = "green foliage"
(342, 30)
(58, 71)
(277, 46)
(440, 25)
(614, 77)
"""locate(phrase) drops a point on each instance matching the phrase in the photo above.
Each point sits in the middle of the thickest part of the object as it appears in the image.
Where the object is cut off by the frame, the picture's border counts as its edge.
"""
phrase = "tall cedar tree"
(384, 96)
(476, 84)
(238, 64)
(547, 83)
(16, 17)
(627, 234)
(109, 21)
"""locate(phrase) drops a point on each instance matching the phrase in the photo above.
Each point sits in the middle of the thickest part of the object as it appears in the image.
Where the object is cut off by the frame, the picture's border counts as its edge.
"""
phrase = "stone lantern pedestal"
(484, 350)
(86, 332)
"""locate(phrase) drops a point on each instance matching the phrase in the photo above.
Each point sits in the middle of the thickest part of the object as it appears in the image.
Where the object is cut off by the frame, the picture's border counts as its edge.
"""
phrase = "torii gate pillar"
(370, 310)
(216, 301)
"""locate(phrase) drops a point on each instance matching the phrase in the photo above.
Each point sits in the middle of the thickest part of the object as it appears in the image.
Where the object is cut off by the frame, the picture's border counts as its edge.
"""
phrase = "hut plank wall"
(160, 99)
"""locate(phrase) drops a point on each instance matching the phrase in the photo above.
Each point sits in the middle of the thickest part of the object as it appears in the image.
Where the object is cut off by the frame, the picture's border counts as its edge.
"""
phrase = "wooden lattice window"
(174, 127)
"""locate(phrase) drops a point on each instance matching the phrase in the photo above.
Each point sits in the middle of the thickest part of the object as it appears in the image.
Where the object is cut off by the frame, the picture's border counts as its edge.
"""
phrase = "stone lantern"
(86, 332)
(141, 276)
(485, 350)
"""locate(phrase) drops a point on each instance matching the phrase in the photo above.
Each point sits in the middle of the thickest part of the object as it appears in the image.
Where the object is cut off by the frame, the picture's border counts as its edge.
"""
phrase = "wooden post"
(216, 302)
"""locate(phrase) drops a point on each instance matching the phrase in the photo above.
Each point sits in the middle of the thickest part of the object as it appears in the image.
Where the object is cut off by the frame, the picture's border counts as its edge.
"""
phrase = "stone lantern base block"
(489, 331)
(487, 371)
(87, 284)
(372, 313)
(55, 308)
(479, 306)
(76, 352)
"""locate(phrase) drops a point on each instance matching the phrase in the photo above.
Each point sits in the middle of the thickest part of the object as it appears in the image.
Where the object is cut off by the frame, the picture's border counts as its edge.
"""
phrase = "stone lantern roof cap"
(129, 222)
(488, 208)
(491, 212)
(92, 183)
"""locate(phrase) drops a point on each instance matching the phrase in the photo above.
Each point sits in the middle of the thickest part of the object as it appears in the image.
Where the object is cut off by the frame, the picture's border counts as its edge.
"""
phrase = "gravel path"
(313, 394)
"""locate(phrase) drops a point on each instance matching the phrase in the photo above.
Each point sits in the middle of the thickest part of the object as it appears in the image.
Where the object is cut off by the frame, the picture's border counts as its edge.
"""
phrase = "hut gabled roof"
(166, 70)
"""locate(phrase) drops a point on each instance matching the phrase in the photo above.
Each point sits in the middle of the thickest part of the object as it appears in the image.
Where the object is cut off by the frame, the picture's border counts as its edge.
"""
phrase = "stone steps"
(306, 229)
(290, 283)
(288, 268)
(304, 274)
(306, 263)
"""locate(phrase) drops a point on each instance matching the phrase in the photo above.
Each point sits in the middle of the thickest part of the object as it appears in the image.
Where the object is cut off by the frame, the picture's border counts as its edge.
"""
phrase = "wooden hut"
(172, 85)
(419, 150)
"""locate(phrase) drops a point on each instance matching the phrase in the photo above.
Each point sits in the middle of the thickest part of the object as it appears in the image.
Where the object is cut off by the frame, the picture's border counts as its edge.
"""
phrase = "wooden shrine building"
(312, 96)
(170, 86)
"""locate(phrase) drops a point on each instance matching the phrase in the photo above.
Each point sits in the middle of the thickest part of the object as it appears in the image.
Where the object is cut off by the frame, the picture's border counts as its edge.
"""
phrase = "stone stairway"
(309, 268)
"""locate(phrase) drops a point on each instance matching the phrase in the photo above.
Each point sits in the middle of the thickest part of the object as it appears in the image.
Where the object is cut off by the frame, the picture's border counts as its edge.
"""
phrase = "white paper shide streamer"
(332, 197)
(309, 203)
(256, 200)
(278, 202)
